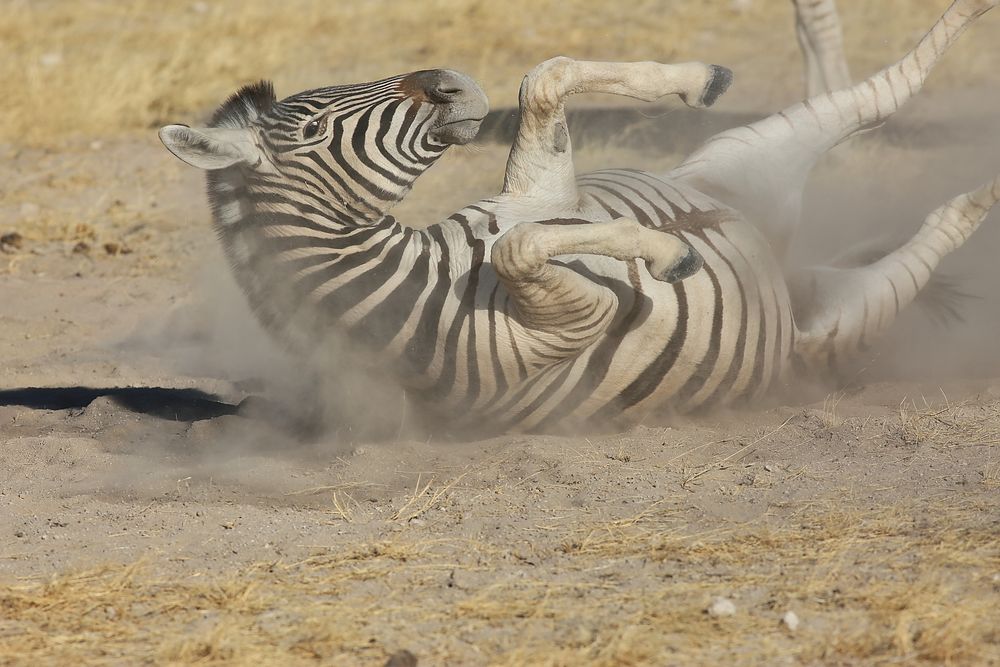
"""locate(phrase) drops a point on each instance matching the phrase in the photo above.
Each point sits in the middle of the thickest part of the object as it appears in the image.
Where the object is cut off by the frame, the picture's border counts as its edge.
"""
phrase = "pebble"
(11, 242)
(402, 659)
(51, 59)
(721, 607)
(790, 620)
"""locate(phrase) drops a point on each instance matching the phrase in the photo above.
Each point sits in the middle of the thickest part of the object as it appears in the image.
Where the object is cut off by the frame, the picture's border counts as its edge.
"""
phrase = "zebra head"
(351, 151)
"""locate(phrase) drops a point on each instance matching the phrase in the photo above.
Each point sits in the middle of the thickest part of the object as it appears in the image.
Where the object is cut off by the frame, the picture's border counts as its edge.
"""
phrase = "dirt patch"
(162, 502)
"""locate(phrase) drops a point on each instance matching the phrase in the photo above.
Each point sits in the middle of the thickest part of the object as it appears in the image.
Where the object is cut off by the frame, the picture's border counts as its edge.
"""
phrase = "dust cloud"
(882, 185)
(878, 186)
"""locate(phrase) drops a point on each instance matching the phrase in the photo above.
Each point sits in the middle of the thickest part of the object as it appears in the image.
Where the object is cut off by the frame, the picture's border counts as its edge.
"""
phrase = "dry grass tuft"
(949, 425)
(423, 499)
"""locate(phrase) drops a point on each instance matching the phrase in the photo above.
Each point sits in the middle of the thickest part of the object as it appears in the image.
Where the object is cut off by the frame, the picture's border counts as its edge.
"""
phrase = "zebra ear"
(210, 148)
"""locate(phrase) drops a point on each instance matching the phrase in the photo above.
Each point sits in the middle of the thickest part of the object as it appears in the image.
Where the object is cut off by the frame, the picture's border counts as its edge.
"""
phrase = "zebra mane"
(245, 105)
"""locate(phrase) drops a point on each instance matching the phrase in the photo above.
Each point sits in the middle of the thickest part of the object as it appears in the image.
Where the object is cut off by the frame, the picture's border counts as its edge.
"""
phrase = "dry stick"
(341, 510)
(735, 455)
(701, 446)
(313, 490)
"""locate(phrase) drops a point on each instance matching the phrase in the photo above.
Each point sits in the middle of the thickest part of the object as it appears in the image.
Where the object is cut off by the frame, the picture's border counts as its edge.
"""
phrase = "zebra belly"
(722, 336)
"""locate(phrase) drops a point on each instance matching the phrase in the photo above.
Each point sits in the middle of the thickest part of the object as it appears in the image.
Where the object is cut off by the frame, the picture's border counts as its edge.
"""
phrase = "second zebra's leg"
(821, 39)
(554, 299)
(840, 312)
(541, 160)
(761, 169)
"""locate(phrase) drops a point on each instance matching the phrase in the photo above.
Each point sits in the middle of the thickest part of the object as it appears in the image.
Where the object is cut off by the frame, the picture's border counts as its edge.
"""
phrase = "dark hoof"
(722, 77)
(688, 266)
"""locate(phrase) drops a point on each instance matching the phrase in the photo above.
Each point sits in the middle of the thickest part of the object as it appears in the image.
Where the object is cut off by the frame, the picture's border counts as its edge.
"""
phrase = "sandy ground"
(148, 514)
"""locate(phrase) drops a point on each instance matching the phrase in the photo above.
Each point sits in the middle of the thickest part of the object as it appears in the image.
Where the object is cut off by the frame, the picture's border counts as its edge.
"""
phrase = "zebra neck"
(235, 194)
(307, 274)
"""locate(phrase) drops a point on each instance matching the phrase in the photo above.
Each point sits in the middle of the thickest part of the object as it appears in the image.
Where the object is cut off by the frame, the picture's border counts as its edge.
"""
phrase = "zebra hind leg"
(540, 165)
(821, 39)
(840, 312)
(761, 169)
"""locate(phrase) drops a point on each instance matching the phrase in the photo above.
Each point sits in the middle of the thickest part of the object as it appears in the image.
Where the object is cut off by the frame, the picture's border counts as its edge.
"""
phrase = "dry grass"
(910, 586)
(424, 498)
(896, 585)
(949, 425)
(97, 68)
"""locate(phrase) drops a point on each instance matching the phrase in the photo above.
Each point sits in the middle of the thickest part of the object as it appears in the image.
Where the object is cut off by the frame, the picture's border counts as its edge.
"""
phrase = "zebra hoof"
(688, 265)
(717, 84)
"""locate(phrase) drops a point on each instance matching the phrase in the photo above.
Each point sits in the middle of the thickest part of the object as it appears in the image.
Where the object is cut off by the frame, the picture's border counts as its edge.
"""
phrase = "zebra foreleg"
(821, 39)
(761, 169)
(541, 160)
(554, 299)
(840, 312)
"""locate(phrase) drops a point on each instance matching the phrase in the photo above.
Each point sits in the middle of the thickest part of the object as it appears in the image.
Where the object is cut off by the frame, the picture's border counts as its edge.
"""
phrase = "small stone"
(402, 659)
(721, 607)
(114, 248)
(11, 242)
(81, 248)
(18, 533)
(51, 59)
(768, 467)
(790, 620)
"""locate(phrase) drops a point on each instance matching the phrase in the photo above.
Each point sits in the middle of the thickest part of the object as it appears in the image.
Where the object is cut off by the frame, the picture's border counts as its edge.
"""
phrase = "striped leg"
(541, 160)
(553, 299)
(821, 39)
(844, 310)
(761, 169)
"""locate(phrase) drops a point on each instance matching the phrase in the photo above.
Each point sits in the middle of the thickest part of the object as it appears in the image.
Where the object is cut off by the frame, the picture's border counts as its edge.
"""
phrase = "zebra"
(564, 301)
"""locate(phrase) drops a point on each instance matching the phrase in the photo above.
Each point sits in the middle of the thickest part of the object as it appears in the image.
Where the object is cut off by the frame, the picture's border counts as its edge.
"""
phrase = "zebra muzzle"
(460, 103)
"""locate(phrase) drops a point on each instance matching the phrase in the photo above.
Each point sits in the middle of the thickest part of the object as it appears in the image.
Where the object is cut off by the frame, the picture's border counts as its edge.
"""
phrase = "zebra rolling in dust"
(563, 300)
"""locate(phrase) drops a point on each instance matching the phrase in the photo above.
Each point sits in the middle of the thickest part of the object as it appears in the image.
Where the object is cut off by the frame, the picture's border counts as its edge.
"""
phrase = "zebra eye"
(314, 127)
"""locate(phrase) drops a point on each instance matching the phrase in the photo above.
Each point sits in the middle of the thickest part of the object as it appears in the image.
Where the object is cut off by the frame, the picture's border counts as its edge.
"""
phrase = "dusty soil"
(150, 514)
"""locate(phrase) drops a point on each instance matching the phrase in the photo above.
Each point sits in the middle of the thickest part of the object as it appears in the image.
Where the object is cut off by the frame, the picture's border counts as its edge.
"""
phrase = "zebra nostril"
(442, 86)
(444, 93)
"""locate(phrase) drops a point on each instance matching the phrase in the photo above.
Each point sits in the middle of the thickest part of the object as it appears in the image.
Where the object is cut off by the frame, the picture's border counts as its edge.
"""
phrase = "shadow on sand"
(182, 405)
